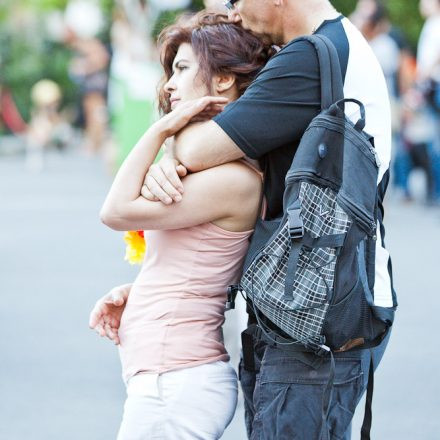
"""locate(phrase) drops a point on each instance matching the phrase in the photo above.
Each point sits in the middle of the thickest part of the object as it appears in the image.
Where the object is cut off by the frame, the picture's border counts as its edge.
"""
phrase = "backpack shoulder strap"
(332, 88)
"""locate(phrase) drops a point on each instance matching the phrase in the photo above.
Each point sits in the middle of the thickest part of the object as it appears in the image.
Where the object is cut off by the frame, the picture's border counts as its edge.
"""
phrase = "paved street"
(59, 381)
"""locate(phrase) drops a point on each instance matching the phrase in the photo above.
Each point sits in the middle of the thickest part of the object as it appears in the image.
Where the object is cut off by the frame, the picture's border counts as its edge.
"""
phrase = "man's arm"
(273, 112)
(197, 147)
(205, 145)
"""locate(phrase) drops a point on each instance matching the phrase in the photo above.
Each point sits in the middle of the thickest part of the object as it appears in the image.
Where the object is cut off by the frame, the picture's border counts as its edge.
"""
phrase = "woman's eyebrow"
(180, 61)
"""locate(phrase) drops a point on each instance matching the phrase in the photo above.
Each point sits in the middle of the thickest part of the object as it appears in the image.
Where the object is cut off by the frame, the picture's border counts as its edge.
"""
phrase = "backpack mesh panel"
(303, 317)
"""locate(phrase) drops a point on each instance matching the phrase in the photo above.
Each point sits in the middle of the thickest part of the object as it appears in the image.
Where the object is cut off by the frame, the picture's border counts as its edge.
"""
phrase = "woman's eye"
(181, 68)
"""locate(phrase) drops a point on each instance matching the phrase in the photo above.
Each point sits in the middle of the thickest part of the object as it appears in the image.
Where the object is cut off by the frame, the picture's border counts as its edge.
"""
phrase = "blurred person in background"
(180, 383)
(89, 69)
(396, 60)
(416, 136)
(428, 69)
(47, 126)
(376, 29)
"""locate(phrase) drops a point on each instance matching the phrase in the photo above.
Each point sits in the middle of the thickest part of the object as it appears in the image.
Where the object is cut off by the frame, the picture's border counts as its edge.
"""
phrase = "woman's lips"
(174, 102)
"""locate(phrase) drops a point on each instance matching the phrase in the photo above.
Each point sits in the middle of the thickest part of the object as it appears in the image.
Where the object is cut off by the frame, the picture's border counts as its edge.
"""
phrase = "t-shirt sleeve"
(278, 106)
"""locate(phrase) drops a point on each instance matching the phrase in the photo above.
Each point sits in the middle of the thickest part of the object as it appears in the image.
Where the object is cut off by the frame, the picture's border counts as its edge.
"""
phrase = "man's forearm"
(204, 145)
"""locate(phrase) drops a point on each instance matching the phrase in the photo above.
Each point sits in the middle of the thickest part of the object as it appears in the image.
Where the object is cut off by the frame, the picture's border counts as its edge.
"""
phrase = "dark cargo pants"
(283, 395)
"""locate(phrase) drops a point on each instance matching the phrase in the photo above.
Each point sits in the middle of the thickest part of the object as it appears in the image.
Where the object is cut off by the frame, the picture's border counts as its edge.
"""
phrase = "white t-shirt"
(365, 81)
(269, 119)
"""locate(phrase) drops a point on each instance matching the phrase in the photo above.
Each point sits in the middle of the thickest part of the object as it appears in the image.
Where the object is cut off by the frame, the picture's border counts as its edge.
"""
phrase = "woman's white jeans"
(187, 404)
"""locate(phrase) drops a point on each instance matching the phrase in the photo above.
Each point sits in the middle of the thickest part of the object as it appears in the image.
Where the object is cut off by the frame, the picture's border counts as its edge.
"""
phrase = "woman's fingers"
(163, 182)
(181, 172)
(112, 333)
(99, 328)
(186, 111)
(95, 315)
(117, 297)
(147, 194)
(158, 191)
(208, 105)
(208, 113)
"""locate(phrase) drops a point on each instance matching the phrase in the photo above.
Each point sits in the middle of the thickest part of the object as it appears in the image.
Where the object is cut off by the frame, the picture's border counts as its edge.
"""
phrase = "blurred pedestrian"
(180, 383)
(47, 127)
(371, 17)
(428, 65)
(89, 69)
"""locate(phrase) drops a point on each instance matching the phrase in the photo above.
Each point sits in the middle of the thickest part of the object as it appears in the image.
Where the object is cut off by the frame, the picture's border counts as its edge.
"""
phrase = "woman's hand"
(196, 110)
(105, 317)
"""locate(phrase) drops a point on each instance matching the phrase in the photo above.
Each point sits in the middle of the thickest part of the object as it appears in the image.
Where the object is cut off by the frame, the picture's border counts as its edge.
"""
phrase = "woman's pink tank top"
(175, 309)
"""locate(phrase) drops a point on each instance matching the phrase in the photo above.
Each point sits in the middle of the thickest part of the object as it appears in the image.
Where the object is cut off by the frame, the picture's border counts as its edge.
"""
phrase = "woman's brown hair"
(222, 47)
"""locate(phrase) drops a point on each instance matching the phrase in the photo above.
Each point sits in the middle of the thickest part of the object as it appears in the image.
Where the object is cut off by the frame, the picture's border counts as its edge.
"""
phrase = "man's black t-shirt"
(268, 121)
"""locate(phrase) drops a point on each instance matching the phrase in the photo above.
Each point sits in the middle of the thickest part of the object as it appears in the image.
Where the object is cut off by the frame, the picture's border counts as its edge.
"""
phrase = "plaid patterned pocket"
(301, 318)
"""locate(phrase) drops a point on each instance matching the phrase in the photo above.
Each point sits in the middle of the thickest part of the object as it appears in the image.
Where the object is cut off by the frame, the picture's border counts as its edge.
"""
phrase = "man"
(283, 392)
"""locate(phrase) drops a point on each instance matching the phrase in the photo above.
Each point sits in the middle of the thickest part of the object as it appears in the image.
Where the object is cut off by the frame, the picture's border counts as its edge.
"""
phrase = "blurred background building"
(78, 85)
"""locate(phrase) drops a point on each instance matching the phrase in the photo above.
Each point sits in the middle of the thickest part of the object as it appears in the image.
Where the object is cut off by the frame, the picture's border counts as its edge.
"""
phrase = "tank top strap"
(253, 165)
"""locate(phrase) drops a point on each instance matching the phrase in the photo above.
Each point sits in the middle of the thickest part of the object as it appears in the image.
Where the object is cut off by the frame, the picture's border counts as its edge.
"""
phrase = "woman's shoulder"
(240, 188)
(240, 176)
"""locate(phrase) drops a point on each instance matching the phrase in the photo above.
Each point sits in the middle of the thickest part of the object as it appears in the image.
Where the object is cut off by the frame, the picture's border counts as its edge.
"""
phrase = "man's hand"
(105, 317)
(162, 181)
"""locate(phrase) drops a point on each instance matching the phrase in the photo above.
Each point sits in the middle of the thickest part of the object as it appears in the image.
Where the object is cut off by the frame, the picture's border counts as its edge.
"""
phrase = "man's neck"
(305, 20)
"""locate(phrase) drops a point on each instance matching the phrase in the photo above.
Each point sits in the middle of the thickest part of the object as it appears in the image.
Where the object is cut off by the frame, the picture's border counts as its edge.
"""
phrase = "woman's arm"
(128, 181)
(233, 204)
(204, 201)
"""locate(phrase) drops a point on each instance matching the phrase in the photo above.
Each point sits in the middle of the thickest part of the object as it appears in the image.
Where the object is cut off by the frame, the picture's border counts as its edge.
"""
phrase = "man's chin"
(266, 38)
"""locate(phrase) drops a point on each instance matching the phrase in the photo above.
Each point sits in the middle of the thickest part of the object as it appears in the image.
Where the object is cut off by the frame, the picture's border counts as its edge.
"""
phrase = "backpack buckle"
(296, 226)
(232, 294)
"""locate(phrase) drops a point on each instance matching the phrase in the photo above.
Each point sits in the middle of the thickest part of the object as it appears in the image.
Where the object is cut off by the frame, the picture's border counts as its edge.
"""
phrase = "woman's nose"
(169, 86)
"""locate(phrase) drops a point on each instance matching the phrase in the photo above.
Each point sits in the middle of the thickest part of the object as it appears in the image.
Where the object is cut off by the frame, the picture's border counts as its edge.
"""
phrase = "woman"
(180, 384)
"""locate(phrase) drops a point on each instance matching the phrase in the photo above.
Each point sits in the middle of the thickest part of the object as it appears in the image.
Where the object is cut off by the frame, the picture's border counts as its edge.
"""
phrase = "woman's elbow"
(111, 219)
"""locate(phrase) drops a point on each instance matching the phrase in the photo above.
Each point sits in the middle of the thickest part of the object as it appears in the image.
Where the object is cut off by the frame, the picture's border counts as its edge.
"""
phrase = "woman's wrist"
(161, 129)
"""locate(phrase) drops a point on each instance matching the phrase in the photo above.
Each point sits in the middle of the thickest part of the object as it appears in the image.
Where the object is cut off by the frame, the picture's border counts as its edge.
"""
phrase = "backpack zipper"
(363, 220)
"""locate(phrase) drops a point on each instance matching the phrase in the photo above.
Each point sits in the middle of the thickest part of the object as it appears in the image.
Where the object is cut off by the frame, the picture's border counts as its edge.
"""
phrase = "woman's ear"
(223, 83)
